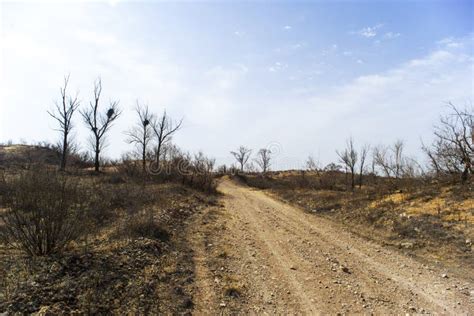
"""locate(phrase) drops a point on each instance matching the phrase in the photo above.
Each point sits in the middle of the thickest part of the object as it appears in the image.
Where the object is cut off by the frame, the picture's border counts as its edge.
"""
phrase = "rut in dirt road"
(291, 261)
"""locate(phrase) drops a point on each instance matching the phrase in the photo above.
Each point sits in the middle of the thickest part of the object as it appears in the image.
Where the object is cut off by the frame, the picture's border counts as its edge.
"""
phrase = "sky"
(298, 78)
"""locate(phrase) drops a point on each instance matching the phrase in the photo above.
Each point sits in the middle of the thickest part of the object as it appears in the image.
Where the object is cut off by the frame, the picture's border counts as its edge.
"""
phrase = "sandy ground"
(288, 261)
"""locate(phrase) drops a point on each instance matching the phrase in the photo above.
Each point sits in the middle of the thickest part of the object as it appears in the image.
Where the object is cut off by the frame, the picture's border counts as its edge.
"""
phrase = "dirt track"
(289, 261)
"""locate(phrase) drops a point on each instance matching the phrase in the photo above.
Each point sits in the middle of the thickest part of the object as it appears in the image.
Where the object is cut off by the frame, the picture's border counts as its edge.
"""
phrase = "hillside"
(432, 220)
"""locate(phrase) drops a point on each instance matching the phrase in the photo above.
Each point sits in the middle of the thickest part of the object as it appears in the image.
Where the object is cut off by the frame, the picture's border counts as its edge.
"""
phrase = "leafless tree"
(250, 167)
(99, 123)
(164, 128)
(380, 159)
(349, 158)
(63, 113)
(312, 165)
(363, 156)
(397, 161)
(391, 159)
(202, 171)
(242, 155)
(142, 133)
(263, 159)
(453, 148)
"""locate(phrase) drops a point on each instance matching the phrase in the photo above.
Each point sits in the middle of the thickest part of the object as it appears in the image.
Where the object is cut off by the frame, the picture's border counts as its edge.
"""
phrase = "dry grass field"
(431, 220)
(131, 255)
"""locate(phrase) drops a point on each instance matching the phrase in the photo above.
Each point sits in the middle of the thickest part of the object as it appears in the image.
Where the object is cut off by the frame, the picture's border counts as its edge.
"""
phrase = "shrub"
(43, 212)
(144, 225)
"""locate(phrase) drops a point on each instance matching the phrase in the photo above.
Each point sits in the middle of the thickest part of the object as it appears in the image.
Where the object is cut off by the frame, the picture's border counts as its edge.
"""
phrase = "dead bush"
(43, 212)
(143, 225)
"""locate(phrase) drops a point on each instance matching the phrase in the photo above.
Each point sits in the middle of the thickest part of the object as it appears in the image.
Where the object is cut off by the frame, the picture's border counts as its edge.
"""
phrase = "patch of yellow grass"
(449, 210)
(441, 205)
(395, 198)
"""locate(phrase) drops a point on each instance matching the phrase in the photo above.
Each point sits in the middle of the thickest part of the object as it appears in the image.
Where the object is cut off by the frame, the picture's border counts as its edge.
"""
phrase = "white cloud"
(369, 31)
(277, 66)
(298, 46)
(239, 33)
(391, 35)
(287, 27)
(226, 77)
(96, 38)
(451, 42)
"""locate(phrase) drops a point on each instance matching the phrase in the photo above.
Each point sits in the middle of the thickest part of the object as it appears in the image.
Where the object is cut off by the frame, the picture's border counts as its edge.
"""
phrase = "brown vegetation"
(432, 219)
(113, 245)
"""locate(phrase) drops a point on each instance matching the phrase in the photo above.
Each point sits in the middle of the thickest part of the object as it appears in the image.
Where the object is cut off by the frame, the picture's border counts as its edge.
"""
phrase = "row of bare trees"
(149, 127)
(354, 160)
(263, 158)
(451, 152)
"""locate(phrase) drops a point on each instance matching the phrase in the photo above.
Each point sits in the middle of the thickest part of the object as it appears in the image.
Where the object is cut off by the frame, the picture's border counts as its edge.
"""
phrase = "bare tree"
(164, 128)
(349, 158)
(363, 156)
(242, 155)
(142, 133)
(391, 159)
(380, 159)
(263, 159)
(312, 165)
(397, 161)
(453, 148)
(99, 123)
(63, 113)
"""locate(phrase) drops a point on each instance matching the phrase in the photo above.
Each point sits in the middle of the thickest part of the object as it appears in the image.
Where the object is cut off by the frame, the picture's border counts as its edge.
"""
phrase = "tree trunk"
(96, 160)
(158, 153)
(352, 180)
(465, 174)
(62, 165)
(144, 160)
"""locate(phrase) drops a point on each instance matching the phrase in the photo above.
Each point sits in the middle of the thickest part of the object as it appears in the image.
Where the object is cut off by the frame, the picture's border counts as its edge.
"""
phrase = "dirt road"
(288, 261)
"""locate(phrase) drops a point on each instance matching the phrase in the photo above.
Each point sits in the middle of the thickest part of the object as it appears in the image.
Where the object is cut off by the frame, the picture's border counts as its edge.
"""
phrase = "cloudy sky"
(298, 78)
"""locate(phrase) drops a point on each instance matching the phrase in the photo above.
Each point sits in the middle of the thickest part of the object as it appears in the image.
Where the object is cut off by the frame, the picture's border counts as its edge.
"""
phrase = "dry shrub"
(143, 225)
(106, 201)
(130, 167)
(43, 212)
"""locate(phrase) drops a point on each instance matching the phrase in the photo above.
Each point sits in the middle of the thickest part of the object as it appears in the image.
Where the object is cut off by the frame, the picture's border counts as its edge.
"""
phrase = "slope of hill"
(17, 155)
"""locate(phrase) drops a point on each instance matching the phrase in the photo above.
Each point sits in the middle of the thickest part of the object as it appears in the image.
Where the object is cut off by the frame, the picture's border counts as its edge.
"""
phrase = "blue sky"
(297, 77)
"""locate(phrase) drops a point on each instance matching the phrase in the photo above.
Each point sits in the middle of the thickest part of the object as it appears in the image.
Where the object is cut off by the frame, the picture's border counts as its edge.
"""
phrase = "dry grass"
(435, 219)
(132, 258)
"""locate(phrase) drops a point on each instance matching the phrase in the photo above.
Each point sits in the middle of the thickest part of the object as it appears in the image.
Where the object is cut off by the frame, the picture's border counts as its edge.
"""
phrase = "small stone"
(406, 245)
(444, 276)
